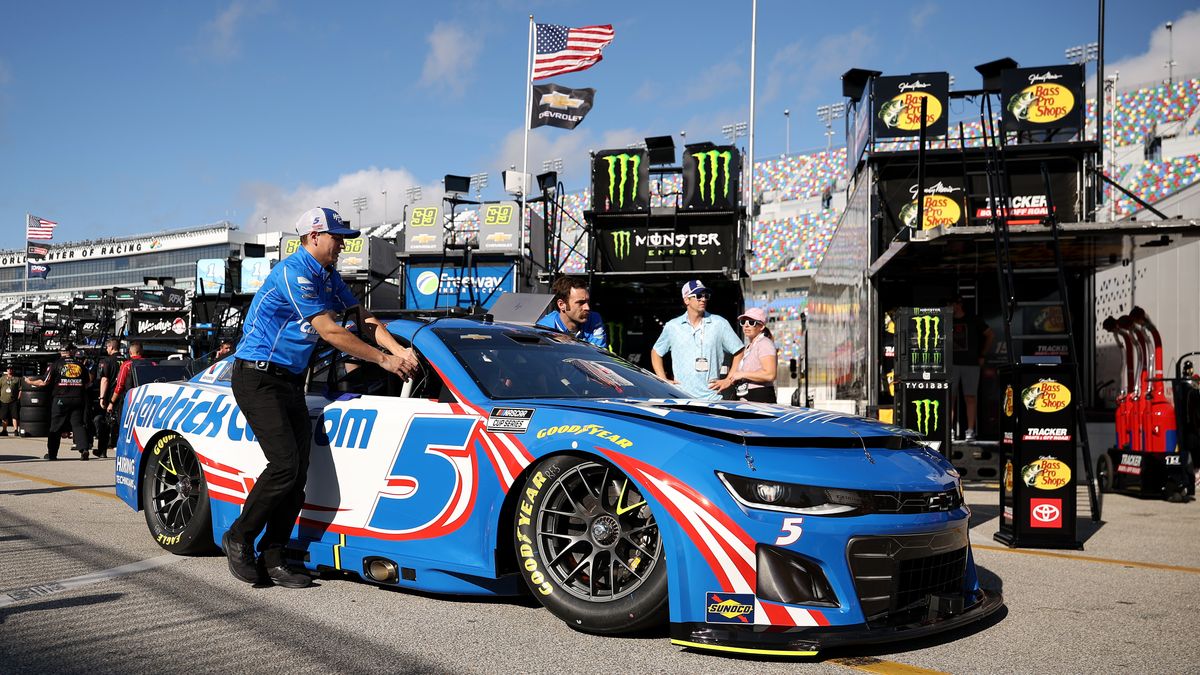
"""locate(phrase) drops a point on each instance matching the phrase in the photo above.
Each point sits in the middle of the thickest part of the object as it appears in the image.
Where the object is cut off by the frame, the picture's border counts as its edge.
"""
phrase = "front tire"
(175, 497)
(589, 547)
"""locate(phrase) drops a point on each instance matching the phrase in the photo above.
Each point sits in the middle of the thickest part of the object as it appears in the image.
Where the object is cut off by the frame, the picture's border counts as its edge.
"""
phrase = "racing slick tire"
(589, 548)
(175, 497)
(1104, 473)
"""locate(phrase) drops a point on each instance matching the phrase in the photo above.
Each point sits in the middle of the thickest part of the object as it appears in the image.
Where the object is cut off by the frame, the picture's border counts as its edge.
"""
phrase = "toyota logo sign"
(1045, 513)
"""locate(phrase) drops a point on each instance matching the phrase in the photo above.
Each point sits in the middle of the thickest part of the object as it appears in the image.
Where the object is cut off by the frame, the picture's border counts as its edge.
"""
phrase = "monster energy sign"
(926, 415)
(927, 350)
(711, 177)
(620, 181)
(656, 249)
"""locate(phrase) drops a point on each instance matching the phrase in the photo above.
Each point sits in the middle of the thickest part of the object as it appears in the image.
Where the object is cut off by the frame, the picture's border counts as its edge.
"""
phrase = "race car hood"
(754, 423)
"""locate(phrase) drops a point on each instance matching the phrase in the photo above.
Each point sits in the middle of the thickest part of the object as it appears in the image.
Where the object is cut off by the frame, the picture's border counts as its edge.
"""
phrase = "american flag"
(565, 50)
(39, 228)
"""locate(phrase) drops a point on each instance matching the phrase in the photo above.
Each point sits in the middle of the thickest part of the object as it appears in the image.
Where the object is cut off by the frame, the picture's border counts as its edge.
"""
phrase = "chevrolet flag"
(560, 107)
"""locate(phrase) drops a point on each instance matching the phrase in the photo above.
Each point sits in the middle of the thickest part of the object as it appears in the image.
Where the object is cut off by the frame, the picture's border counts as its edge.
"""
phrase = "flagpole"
(753, 49)
(25, 292)
(525, 151)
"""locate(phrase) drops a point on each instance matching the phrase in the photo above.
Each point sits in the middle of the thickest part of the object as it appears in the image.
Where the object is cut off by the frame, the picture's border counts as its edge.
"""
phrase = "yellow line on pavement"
(870, 664)
(1106, 561)
(56, 483)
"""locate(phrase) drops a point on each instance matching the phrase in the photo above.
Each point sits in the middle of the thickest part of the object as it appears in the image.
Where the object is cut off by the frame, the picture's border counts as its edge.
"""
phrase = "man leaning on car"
(294, 306)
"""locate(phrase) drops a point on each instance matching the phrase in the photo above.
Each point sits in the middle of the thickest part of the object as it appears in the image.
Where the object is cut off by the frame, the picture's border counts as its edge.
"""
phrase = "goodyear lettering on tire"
(162, 442)
(525, 542)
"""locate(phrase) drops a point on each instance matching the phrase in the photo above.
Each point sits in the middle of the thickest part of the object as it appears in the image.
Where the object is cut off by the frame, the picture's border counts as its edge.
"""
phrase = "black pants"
(760, 395)
(276, 412)
(105, 428)
(63, 412)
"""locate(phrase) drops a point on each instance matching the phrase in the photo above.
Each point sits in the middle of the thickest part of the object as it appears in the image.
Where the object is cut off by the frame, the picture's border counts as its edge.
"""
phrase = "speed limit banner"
(499, 227)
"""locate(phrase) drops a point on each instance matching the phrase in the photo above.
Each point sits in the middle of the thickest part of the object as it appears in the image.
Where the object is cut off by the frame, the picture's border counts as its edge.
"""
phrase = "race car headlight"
(790, 497)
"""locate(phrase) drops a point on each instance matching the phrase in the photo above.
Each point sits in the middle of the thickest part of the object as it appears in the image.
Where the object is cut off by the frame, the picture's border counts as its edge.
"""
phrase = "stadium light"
(413, 193)
(360, 205)
(549, 165)
(829, 113)
(1170, 64)
(732, 131)
(1081, 54)
(384, 193)
(478, 182)
(787, 122)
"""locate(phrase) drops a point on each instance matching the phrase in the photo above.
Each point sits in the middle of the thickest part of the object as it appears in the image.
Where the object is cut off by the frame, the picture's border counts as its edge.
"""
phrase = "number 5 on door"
(790, 532)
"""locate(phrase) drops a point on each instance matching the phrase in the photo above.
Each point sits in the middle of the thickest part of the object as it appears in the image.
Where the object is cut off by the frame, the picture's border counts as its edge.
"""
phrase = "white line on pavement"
(54, 587)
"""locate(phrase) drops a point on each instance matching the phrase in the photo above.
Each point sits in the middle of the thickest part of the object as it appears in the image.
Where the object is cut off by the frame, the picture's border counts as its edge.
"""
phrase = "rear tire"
(175, 497)
(1104, 473)
(589, 547)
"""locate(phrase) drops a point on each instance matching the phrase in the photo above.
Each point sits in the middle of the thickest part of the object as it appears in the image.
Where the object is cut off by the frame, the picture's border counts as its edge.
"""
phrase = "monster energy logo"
(620, 243)
(706, 167)
(629, 163)
(929, 332)
(927, 408)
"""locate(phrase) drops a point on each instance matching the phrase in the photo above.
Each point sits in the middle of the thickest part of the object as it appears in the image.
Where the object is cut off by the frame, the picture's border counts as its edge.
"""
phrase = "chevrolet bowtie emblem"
(559, 100)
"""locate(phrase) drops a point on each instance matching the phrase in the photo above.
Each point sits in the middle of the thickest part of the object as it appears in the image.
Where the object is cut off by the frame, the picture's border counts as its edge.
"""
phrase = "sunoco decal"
(729, 607)
(1046, 473)
(1046, 395)
(510, 420)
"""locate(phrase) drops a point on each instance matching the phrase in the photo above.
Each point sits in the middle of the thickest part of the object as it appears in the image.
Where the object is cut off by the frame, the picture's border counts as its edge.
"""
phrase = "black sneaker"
(100, 453)
(289, 578)
(240, 557)
(3, 432)
(83, 455)
(49, 457)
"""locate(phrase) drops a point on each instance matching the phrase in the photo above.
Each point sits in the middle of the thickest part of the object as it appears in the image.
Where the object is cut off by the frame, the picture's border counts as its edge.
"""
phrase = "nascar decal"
(727, 548)
(510, 420)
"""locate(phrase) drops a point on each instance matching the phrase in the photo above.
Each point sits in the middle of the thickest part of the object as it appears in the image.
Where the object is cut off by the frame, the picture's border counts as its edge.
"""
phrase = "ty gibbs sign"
(897, 104)
(655, 249)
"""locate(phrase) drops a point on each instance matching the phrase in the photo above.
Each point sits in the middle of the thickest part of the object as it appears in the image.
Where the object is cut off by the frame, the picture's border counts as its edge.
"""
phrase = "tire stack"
(35, 410)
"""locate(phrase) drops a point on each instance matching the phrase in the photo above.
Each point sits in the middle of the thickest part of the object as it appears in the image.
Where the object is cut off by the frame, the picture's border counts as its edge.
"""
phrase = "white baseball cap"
(321, 219)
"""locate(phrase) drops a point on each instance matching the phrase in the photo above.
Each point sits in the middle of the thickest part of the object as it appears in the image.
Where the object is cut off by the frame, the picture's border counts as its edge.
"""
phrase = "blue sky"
(131, 117)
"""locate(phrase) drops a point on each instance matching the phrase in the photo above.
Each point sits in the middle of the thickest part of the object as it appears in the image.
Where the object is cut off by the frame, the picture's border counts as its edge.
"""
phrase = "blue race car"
(520, 458)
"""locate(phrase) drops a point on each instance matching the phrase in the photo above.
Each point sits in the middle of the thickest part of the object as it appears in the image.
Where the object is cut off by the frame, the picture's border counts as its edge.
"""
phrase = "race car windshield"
(546, 364)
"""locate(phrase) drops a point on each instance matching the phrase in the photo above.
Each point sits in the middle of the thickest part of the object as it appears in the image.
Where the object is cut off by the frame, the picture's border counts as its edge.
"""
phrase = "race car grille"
(895, 576)
(916, 502)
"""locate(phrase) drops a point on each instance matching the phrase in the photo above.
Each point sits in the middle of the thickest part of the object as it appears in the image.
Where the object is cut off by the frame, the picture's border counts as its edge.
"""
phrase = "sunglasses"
(704, 295)
(751, 322)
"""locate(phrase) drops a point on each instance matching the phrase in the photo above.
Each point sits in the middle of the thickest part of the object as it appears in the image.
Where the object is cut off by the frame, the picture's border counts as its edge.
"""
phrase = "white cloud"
(451, 61)
(920, 16)
(281, 207)
(218, 38)
(805, 70)
(1149, 68)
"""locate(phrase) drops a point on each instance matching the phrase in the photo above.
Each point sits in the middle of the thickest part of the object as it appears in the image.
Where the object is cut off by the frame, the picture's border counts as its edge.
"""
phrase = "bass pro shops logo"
(708, 165)
(929, 338)
(623, 164)
(928, 420)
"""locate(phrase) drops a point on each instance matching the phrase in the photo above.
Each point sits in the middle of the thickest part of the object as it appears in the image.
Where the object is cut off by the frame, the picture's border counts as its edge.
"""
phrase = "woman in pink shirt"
(753, 369)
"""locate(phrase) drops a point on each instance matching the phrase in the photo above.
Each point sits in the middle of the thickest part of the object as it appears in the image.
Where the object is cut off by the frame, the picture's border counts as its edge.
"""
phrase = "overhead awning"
(1086, 247)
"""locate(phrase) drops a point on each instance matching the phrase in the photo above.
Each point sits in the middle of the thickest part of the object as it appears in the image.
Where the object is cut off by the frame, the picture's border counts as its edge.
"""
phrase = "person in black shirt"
(68, 380)
(972, 343)
(106, 378)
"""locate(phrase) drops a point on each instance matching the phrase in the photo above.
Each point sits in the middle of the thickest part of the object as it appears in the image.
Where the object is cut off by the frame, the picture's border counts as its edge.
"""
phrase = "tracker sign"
(1042, 98)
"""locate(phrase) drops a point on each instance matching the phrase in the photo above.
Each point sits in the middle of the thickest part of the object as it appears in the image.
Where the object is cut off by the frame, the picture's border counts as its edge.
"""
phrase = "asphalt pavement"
(83, 588)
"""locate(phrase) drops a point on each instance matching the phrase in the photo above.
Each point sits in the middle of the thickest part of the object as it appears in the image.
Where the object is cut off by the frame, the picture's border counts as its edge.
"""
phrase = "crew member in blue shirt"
(574, 313)
(295, 305)
(697, 342)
